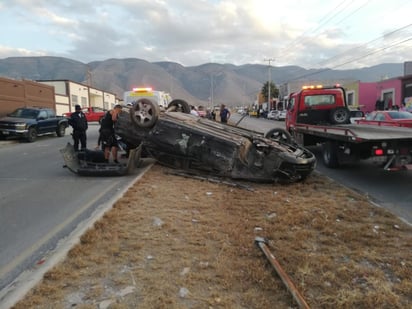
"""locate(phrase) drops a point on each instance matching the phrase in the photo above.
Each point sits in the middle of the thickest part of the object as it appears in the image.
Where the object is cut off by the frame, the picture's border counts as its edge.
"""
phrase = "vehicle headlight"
(20, 126)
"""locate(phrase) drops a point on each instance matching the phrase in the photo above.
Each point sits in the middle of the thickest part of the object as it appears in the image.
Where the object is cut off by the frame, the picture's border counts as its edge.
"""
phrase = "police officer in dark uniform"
(79, 124)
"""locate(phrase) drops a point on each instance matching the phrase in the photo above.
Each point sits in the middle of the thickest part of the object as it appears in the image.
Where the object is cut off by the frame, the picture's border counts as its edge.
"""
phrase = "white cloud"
(306, 33)
(6, 52)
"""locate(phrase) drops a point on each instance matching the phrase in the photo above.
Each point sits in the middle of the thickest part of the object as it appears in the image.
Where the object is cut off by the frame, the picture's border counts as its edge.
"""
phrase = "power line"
(353, 12)
(352, 50)
(373, 52)
(365, 44)
(303, 35)
(325, 22)
(349, 61)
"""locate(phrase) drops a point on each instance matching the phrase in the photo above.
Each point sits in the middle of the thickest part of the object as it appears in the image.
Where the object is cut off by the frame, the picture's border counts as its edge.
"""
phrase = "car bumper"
(13, 132)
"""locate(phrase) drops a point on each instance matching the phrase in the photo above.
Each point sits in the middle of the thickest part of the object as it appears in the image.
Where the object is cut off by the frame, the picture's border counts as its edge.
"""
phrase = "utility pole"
(269, 82)
(211, 91)
(89, 76)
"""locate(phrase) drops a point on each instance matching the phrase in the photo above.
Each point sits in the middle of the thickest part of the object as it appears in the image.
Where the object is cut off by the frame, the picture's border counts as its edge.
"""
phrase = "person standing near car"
(403, 107)
(213, 115)
(224, 114)
(79, 124)
(107, 136)
(193, 111)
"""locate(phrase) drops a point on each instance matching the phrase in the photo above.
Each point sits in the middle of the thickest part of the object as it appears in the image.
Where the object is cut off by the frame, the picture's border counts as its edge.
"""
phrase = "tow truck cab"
(319, 115)
(317, 105)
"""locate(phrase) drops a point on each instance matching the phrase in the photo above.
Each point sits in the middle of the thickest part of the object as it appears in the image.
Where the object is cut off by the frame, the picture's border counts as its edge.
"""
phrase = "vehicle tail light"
(378, 152)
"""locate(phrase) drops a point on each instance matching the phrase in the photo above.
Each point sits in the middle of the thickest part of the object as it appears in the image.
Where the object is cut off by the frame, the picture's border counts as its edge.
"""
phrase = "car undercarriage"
(198, 145)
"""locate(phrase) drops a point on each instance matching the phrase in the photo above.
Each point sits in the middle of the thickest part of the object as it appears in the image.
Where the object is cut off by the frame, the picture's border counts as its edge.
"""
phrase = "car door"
(45, 123)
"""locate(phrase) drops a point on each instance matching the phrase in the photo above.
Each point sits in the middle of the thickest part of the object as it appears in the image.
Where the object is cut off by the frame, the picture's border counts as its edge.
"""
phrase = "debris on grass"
(340, 250)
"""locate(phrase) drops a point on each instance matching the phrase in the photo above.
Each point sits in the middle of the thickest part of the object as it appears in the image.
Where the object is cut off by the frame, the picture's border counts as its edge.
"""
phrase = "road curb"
(27, 280)
(370, 199)
(7, 142)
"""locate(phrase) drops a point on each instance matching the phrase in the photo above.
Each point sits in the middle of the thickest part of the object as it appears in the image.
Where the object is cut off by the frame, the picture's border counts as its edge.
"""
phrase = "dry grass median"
(175, 242)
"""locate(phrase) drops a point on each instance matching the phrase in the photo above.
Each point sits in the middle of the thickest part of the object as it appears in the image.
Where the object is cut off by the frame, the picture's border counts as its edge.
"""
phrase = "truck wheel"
(179, 106)
(32, 135)
(144, 113)
(339, 115)
(61, 130)
(279, 135)
(330, 154)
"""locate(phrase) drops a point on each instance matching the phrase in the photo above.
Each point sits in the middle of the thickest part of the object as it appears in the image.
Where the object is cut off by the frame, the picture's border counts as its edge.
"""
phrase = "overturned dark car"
(177, 139)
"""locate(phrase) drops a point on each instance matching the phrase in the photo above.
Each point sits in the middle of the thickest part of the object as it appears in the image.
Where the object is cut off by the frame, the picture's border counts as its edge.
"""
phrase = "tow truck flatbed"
(319, 115)
(356, 132)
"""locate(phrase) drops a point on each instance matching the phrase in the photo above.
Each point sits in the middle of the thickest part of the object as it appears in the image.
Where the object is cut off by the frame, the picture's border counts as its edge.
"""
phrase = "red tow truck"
(319, 115)
(92, 113)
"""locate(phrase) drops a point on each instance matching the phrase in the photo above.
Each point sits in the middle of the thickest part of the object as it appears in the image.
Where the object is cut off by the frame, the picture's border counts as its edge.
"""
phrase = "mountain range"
(219, 83)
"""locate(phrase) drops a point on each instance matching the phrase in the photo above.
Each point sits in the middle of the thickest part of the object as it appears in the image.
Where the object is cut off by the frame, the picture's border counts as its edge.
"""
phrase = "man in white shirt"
(193, 111)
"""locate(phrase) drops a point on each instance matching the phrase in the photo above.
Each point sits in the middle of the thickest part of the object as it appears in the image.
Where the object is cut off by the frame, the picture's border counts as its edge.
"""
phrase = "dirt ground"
(178, 242)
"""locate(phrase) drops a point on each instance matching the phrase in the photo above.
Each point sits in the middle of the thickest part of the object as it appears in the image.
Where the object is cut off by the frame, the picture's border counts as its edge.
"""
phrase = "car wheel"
(32, 135)
(179, 106)
(340, 115)
(330, 154)
(61, 130)
(279, 135)
(144, 113)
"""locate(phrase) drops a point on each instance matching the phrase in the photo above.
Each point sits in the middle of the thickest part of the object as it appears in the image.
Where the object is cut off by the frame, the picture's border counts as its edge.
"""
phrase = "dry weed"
(172, 242)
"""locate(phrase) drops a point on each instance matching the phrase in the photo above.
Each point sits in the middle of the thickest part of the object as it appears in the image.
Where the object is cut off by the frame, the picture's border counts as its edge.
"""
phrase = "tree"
(274, 92)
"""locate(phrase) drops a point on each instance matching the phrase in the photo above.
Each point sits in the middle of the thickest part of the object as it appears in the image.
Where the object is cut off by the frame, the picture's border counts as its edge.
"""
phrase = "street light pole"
(211, 90)
(270, 77)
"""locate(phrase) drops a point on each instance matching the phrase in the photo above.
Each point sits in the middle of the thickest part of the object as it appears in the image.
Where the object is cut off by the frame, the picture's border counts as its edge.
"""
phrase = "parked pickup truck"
(30, 122)
(92, 114)
(320, 116)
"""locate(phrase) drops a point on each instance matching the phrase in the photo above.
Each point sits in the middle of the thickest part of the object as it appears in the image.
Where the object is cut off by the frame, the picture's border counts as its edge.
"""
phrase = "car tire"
(32, 135)
(339, 115)
(61, 130)
(144, 113)
(279, 135)
(330, 154)
(179, 106)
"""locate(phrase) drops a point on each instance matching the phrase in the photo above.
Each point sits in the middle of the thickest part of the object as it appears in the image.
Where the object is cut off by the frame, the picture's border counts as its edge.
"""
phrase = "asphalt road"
(41, 202)
(391, 190)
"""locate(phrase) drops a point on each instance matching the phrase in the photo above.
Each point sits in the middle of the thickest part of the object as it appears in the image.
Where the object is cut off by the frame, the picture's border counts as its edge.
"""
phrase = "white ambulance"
(160, 97)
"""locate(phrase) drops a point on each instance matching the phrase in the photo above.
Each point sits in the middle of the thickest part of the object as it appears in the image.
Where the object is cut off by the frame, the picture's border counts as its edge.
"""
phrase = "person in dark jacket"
(79, 124)
(107, 137)
(224, 114)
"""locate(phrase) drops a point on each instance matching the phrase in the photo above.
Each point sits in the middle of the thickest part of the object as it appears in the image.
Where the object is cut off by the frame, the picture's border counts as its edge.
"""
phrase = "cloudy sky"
(309, 33)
